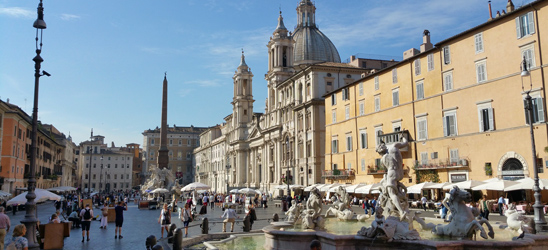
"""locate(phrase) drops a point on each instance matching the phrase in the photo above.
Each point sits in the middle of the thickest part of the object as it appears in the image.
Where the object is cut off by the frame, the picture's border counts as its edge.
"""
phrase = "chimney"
(490, 12)
(509, 6)
(426, 44)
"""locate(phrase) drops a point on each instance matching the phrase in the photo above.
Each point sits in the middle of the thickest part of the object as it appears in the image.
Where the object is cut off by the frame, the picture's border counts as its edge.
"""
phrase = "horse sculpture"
(463, 224)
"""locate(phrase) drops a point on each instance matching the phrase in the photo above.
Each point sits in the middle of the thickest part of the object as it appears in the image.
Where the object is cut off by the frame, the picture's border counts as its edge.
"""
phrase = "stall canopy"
(368, 189)
(527, 184)
(249, 191)
(464, 184)
(499, 185)
(327, 187)
(438, 185)
(309, 188)
(335, 188)
(195, 186)
(417, 188)
(41, 196)
(352, 188)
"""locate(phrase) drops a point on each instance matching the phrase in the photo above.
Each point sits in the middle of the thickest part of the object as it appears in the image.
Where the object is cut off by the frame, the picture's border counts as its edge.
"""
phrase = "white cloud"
(17, 12)
(68, 17)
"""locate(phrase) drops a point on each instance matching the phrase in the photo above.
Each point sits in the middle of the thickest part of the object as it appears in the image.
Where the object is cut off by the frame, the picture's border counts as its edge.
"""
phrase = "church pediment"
(254, 132)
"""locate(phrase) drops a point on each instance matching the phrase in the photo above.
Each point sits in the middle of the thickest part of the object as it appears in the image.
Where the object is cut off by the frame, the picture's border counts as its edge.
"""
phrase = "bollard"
(247, 224)
(178, 239)
(205, 226)
(275, 217)
(150, 242)
(172, 228)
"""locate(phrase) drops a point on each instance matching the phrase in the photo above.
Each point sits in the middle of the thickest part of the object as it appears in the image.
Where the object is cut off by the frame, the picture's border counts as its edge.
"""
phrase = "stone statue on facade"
(311, 215)
(463, 224)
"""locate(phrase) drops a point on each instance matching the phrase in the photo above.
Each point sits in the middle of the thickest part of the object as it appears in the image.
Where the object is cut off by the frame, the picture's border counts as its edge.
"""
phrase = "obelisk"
(163, 159)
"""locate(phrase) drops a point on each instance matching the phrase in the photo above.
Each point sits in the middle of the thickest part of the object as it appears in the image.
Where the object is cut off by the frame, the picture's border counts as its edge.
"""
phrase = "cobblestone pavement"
(140, 223)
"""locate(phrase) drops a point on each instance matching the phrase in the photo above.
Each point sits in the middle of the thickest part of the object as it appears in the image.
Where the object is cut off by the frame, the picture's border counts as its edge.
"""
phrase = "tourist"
(366, 206)
(75, 219)
(104, 218)
(54, 219)
(501, 203)
(252, 215)
(165, 219)
(18, 238)
(483, 208)
(423, 201)
(373, 205)
(264, 198)
(443, 211)
(5, 225)
(186, 218)
(119, 210)
(212, 201)
(230, 216)
(86, 215)
(315, 245)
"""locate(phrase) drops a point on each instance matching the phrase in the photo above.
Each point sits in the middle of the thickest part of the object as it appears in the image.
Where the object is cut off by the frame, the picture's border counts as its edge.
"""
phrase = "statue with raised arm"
(394, 191)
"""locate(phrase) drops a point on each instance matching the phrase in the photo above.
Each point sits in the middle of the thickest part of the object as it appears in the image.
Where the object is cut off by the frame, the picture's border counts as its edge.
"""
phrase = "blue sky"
(107, 58)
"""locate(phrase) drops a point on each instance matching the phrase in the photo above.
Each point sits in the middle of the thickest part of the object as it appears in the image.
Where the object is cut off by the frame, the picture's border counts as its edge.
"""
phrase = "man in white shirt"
(423, 200)
(230, 216)
(212, 201)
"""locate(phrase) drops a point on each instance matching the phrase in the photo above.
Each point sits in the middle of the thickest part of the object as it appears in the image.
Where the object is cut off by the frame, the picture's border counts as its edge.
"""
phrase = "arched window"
(512, 169)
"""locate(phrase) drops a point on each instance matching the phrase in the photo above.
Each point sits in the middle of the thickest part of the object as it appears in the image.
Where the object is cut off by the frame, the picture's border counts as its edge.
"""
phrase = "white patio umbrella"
(309, 188)
(249, 191)
(417, 188)
(4, 194)
(336, 187)
(296, 186)
(281, 187)
(438, 185)
(328, 186)
(234, 191)
(464, 184)
(368, 189)
(159, 191)
(527, 184)
(41, 195)
(195, 186)
(352, 188)
(499, 185)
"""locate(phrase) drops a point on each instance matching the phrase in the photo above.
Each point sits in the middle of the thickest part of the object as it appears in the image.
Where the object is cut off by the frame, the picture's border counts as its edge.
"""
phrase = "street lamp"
(101, 176)
(30, 206)
(227, 169)
(540, 221)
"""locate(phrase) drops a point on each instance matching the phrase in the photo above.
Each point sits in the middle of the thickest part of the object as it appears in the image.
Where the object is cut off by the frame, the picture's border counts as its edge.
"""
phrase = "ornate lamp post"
(30, 206)
(540, 221)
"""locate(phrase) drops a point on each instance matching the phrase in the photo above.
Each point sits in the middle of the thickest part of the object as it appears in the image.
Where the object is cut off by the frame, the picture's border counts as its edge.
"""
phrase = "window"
(122, 176)
(362, 107)
(422, 129)
(424, 158)
(395, 97)
(378, 133)
(334, 146)
(349, 165)
(478, 38)
(430, 61)
(446, 55)
(170, 142)
(363, 137)
(485, 117)
(377, 103)
(188, 155)
(450, 123)
(420, 90)
(394, 76)
(188, 142)
(334, 116)
(363, 164)
(345, 94)
(528, 53)
(376, 82)
(333, 99)
(481, 71)
(538, 110)
(115, 176)
(360, 86)
(348, 142)
(180, 142)
(417, 67)
(454, 155)
(94, 176)
(448, 81)
(347, 112)
(525, 25)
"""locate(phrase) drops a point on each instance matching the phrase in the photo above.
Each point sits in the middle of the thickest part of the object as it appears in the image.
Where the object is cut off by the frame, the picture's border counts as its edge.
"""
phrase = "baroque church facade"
(258, 149)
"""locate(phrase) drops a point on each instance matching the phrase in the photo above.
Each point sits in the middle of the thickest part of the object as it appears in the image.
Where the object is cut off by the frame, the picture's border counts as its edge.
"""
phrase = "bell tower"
(242, 103)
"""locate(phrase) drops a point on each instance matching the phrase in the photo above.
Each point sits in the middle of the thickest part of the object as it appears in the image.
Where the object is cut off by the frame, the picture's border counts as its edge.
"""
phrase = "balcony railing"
(443, 164)
(338, 174)
(381, 171)
(391, 138)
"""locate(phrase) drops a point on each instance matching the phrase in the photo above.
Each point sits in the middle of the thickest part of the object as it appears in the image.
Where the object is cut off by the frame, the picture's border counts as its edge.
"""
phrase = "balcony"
(338, 174)
(443, 164)
(391, 138)
(382, 170)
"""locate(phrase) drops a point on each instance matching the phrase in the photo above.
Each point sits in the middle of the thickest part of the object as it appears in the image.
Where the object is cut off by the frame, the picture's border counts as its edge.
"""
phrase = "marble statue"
(340, 207)
(159, 178)
(463, 224)
(294, 212)
(311, 215)
(519, 222)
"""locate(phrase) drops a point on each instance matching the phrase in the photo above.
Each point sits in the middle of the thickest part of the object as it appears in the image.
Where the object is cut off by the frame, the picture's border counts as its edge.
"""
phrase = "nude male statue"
(392, 161)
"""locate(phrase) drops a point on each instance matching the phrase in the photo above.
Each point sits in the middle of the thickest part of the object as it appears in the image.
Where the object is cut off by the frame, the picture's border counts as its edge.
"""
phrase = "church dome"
(311, 45)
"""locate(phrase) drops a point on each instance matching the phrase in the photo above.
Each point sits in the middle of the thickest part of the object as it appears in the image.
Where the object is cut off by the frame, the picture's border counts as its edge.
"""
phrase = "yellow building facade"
(460, 103)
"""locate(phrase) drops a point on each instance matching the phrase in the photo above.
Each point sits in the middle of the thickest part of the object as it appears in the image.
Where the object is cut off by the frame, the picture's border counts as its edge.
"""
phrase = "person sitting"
(18, 237)
(75, 219)
(54, 219)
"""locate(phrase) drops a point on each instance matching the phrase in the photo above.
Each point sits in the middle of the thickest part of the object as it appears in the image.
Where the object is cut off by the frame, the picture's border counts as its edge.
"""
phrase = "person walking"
(186, 218)
(424, 200)
(86, 214)
(165, 219)
(119, 210)
(212, 201)
(104, 218)
(230, 216)
(373, 205)
(5, 225)
(483, 208)
(18, 238)
(501, 203)
(252, 216)
(264, 201)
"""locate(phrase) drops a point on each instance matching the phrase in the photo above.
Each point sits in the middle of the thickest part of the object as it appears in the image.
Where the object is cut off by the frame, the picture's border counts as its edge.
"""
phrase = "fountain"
(159, 178)
(393, 226)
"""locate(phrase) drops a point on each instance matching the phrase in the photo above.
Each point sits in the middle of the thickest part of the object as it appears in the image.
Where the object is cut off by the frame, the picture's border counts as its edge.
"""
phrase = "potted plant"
(488, 169)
